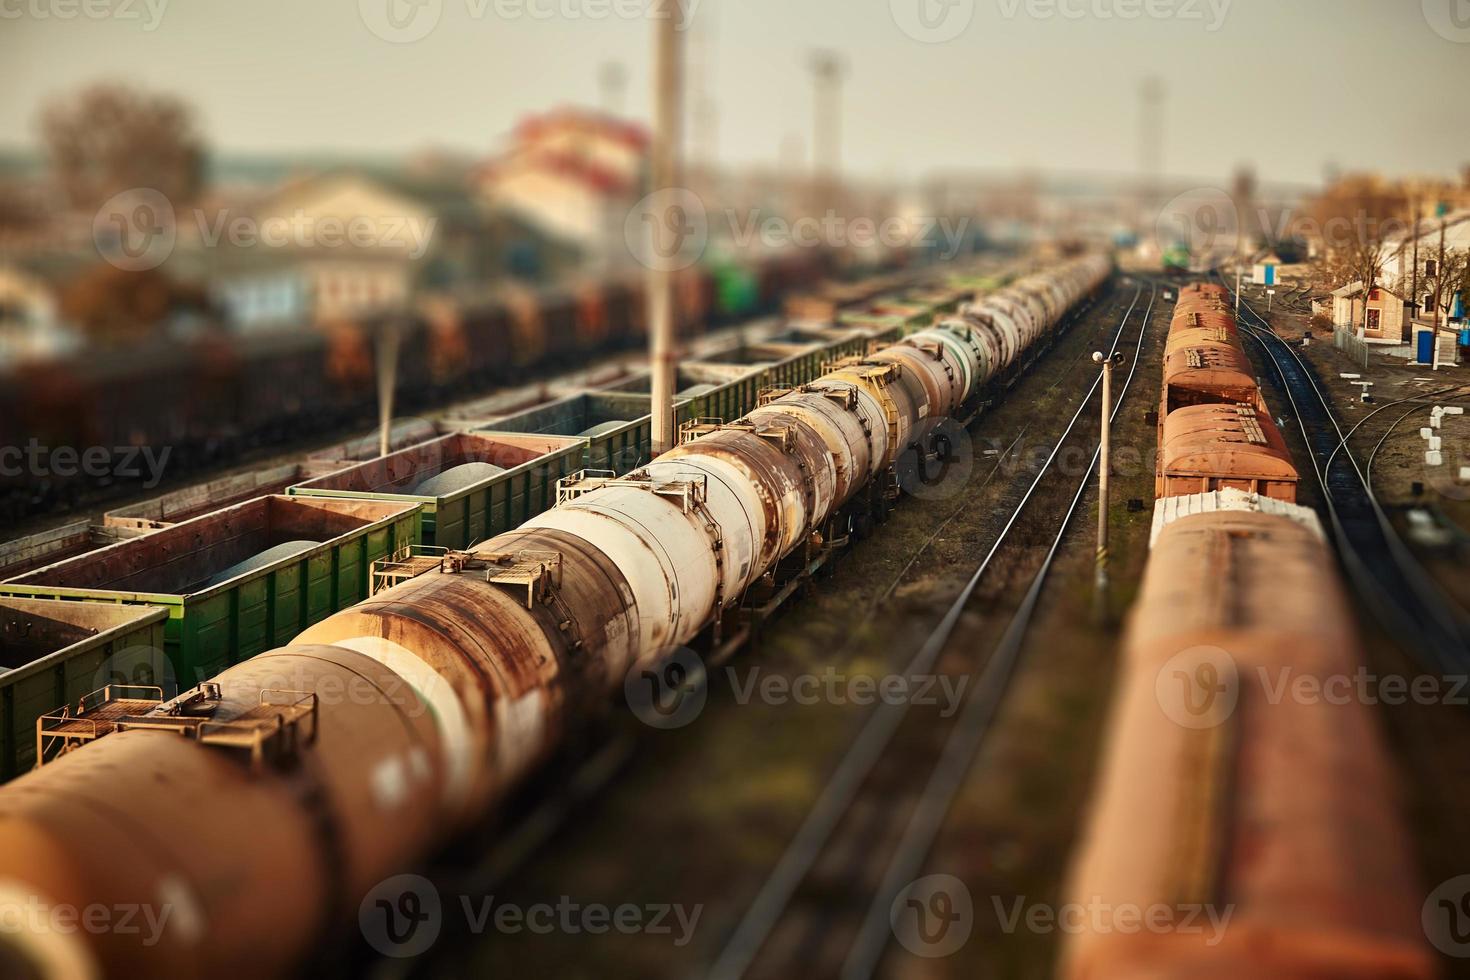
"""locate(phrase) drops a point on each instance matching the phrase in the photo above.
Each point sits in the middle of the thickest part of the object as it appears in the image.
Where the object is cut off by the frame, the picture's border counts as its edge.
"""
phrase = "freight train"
(261, 807)
(1239, 829)
(209, 398)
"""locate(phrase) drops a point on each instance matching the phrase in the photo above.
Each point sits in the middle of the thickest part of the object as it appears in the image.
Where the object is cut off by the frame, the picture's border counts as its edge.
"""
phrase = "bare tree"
(19, 211)
(109, 138)
(115, 306)
(1451, 276)
(1356, 218)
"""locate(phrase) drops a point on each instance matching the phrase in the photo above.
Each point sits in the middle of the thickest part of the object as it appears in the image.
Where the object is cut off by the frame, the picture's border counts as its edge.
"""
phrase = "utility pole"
(1104, 465)
(1414, 275)
(662, 329)
(828, 70)
(1439, 281)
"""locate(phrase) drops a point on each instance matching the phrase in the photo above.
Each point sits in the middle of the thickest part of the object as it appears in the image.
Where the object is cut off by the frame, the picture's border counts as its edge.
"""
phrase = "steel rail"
(965, 740)
(1447, 643)
(872, 741)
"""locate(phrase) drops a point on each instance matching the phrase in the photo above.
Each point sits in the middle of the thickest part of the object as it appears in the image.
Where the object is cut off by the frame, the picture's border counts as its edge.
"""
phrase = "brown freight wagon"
(1235, 832)
(1201, 370)
(1218, 447)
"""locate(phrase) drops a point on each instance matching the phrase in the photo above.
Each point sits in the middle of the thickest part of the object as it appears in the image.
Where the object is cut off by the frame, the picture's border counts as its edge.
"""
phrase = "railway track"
(1403, 596)
(824, 910)
(1436, 396)
(500, 850)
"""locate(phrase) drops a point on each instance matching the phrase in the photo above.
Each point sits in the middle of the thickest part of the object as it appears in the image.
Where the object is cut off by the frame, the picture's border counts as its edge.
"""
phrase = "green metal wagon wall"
(620, 448)
(54, 654)
(211, 626)
(532, 466)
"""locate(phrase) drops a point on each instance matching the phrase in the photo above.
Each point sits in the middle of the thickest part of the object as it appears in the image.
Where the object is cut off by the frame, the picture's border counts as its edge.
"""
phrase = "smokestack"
(828, 71)
(1151, 141)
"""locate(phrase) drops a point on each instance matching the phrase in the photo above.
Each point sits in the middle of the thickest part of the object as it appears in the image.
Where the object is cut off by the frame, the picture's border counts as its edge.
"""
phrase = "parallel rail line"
(1405, 598)
(890, 759)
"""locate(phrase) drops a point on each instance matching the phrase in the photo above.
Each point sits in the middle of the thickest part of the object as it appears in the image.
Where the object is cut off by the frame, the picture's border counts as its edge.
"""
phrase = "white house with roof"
(1385, 312)
(338, 245)
(1399, 253)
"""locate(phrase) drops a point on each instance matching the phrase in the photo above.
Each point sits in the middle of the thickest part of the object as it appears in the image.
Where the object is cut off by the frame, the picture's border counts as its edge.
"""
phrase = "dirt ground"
(703, 813)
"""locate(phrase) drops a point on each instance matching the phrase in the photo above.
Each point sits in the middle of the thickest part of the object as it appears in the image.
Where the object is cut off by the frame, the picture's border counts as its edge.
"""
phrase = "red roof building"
(574, 175)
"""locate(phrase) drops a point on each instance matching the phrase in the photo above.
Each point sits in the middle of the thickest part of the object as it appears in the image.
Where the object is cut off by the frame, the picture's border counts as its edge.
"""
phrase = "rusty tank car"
(382, 730)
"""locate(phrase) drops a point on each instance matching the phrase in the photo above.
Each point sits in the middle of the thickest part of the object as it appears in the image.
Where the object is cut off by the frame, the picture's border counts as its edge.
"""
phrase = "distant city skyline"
(1046, 84)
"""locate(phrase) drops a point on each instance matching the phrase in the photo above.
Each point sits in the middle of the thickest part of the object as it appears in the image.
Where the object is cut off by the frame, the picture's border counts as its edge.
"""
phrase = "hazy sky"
(1288, 84)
